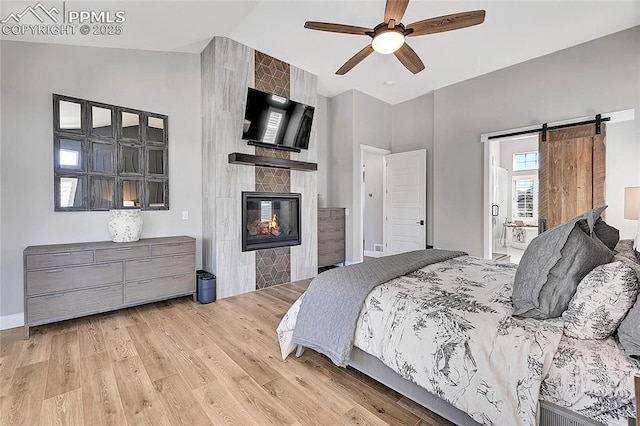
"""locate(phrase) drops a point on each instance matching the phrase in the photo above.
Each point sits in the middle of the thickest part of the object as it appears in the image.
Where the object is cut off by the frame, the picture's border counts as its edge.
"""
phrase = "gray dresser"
(66, 281)
(331, 249)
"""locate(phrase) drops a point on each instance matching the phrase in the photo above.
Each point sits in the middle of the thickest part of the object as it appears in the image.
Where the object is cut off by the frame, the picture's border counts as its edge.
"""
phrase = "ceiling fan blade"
(440, 24)
(395, 10)
(337, 28)
(355, 60)
(409, 58)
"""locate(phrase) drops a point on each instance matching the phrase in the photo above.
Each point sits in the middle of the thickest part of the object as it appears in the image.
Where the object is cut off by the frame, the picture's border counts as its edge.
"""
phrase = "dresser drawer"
(58, 279)
(121, 253)
(156, 288)
(330, 234)
(331, 225)
(61, 305)
(159, 266)
(326, 259)
(325, 214)
(64, 258)
(173, 248)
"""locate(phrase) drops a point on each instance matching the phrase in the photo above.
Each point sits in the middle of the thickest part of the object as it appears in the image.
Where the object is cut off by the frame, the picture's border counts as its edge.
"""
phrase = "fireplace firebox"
(270, 219)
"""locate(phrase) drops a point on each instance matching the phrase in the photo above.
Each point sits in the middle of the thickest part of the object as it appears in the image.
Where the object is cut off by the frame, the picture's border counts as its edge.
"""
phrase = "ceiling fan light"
(387, 42)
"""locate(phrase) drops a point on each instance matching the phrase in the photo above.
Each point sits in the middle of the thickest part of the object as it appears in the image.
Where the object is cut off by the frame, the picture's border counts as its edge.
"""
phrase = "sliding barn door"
(572, 171)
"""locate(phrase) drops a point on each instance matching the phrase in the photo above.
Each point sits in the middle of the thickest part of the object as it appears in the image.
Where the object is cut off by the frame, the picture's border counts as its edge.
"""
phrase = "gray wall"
(321, 121)
(371, 121)
(412, 129)
(166, 83)
(372, 127)
(575, 82)
(355, 119)
(340, 164)
(598, 76)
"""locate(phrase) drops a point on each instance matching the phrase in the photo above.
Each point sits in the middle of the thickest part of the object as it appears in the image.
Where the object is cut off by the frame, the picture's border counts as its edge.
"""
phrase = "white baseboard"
(373, 253)
(11, 321)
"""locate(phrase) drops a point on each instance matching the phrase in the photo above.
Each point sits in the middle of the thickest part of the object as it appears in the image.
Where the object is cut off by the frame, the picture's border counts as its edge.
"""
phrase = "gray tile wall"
(228, 68)
(304, 258)
(227, 71)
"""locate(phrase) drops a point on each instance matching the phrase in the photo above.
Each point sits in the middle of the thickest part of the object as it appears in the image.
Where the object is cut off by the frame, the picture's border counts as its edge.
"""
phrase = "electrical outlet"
(185, 215)
(346, 212)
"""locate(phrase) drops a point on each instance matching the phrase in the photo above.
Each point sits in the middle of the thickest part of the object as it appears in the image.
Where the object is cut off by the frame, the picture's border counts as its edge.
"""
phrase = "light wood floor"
(180, 362)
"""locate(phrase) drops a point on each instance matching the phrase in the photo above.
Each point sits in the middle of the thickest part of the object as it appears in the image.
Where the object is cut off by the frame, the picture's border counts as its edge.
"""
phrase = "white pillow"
(602, 300)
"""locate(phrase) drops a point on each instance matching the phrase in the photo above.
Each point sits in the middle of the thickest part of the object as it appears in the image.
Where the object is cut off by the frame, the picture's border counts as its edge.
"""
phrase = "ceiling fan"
(389, 36)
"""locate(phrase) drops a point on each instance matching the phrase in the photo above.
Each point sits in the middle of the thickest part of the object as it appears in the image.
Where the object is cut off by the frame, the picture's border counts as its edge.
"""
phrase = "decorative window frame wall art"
(108, 157)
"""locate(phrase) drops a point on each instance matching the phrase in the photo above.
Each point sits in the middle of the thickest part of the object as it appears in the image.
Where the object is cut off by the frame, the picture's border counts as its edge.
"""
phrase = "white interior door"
(405, 206)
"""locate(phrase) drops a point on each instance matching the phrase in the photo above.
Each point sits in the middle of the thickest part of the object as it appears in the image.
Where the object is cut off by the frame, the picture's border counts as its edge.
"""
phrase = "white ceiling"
(513, 32)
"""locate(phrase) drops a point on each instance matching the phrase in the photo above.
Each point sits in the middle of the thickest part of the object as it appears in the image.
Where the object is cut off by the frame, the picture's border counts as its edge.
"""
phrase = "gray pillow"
(629, 330)
(624, 252)
(553, 265)
(605, 232)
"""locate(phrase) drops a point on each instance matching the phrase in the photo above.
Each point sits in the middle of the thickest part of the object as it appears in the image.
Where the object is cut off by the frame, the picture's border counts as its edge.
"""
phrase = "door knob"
(420, 222)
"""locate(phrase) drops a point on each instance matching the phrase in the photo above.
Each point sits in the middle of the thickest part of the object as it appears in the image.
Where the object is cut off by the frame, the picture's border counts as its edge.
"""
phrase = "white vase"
(125, 225)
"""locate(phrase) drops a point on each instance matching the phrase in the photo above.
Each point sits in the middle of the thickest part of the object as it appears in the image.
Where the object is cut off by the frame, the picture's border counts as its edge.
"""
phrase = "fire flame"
(270, 227)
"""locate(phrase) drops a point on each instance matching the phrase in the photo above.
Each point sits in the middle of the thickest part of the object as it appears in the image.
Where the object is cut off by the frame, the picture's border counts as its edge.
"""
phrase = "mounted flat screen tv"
(275, 120)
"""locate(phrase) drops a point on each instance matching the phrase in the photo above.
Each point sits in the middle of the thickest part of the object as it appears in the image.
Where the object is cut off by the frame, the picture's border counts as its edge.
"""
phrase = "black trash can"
(206, 285)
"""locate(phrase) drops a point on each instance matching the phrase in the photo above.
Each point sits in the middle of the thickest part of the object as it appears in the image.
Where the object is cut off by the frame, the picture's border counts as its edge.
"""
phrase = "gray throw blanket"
(329, 311)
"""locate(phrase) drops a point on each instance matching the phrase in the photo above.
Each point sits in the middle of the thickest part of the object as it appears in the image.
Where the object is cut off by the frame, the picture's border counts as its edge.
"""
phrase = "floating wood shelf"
(258, 160)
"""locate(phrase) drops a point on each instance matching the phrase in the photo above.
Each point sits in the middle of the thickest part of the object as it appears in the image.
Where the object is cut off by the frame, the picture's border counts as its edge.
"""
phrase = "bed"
(476, 363)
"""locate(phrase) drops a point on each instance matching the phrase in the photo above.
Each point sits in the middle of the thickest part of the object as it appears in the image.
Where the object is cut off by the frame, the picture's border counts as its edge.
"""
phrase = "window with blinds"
(525, 197)
(266, 211)
(525, 161)
(273, 125)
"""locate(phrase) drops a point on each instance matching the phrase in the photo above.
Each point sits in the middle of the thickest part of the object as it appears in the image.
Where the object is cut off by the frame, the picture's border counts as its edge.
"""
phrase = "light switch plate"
(185, 215)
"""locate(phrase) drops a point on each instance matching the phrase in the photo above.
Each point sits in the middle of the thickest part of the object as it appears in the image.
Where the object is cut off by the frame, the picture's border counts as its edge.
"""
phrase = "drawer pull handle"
(144, 260)
(53, 271)
(123, 249)
(178, 256)
(144, 281)
(174, 244)
(179, 276)
(102, 265)
(62, 254)
(104, 287)
(53, 296)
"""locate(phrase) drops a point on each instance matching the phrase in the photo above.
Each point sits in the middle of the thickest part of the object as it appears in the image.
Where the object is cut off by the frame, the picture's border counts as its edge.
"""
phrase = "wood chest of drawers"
(66, 281)
(331, 236)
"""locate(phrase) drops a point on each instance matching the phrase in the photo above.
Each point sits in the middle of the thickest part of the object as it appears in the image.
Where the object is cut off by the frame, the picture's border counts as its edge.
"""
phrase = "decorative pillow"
(605, 232)
(602, 299)
(625, 253)
(553, 265)
(629, 330)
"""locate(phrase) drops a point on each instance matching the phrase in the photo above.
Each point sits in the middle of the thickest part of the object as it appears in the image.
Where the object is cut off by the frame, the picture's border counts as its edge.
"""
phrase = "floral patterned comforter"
(593, 378)
(448, 328)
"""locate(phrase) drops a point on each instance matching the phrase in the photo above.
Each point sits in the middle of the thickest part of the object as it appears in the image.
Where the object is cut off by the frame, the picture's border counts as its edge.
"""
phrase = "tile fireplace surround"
(235, 68)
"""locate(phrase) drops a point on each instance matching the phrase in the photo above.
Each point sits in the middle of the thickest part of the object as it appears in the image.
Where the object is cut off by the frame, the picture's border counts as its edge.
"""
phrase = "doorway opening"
(372, 198)
(514, 196)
